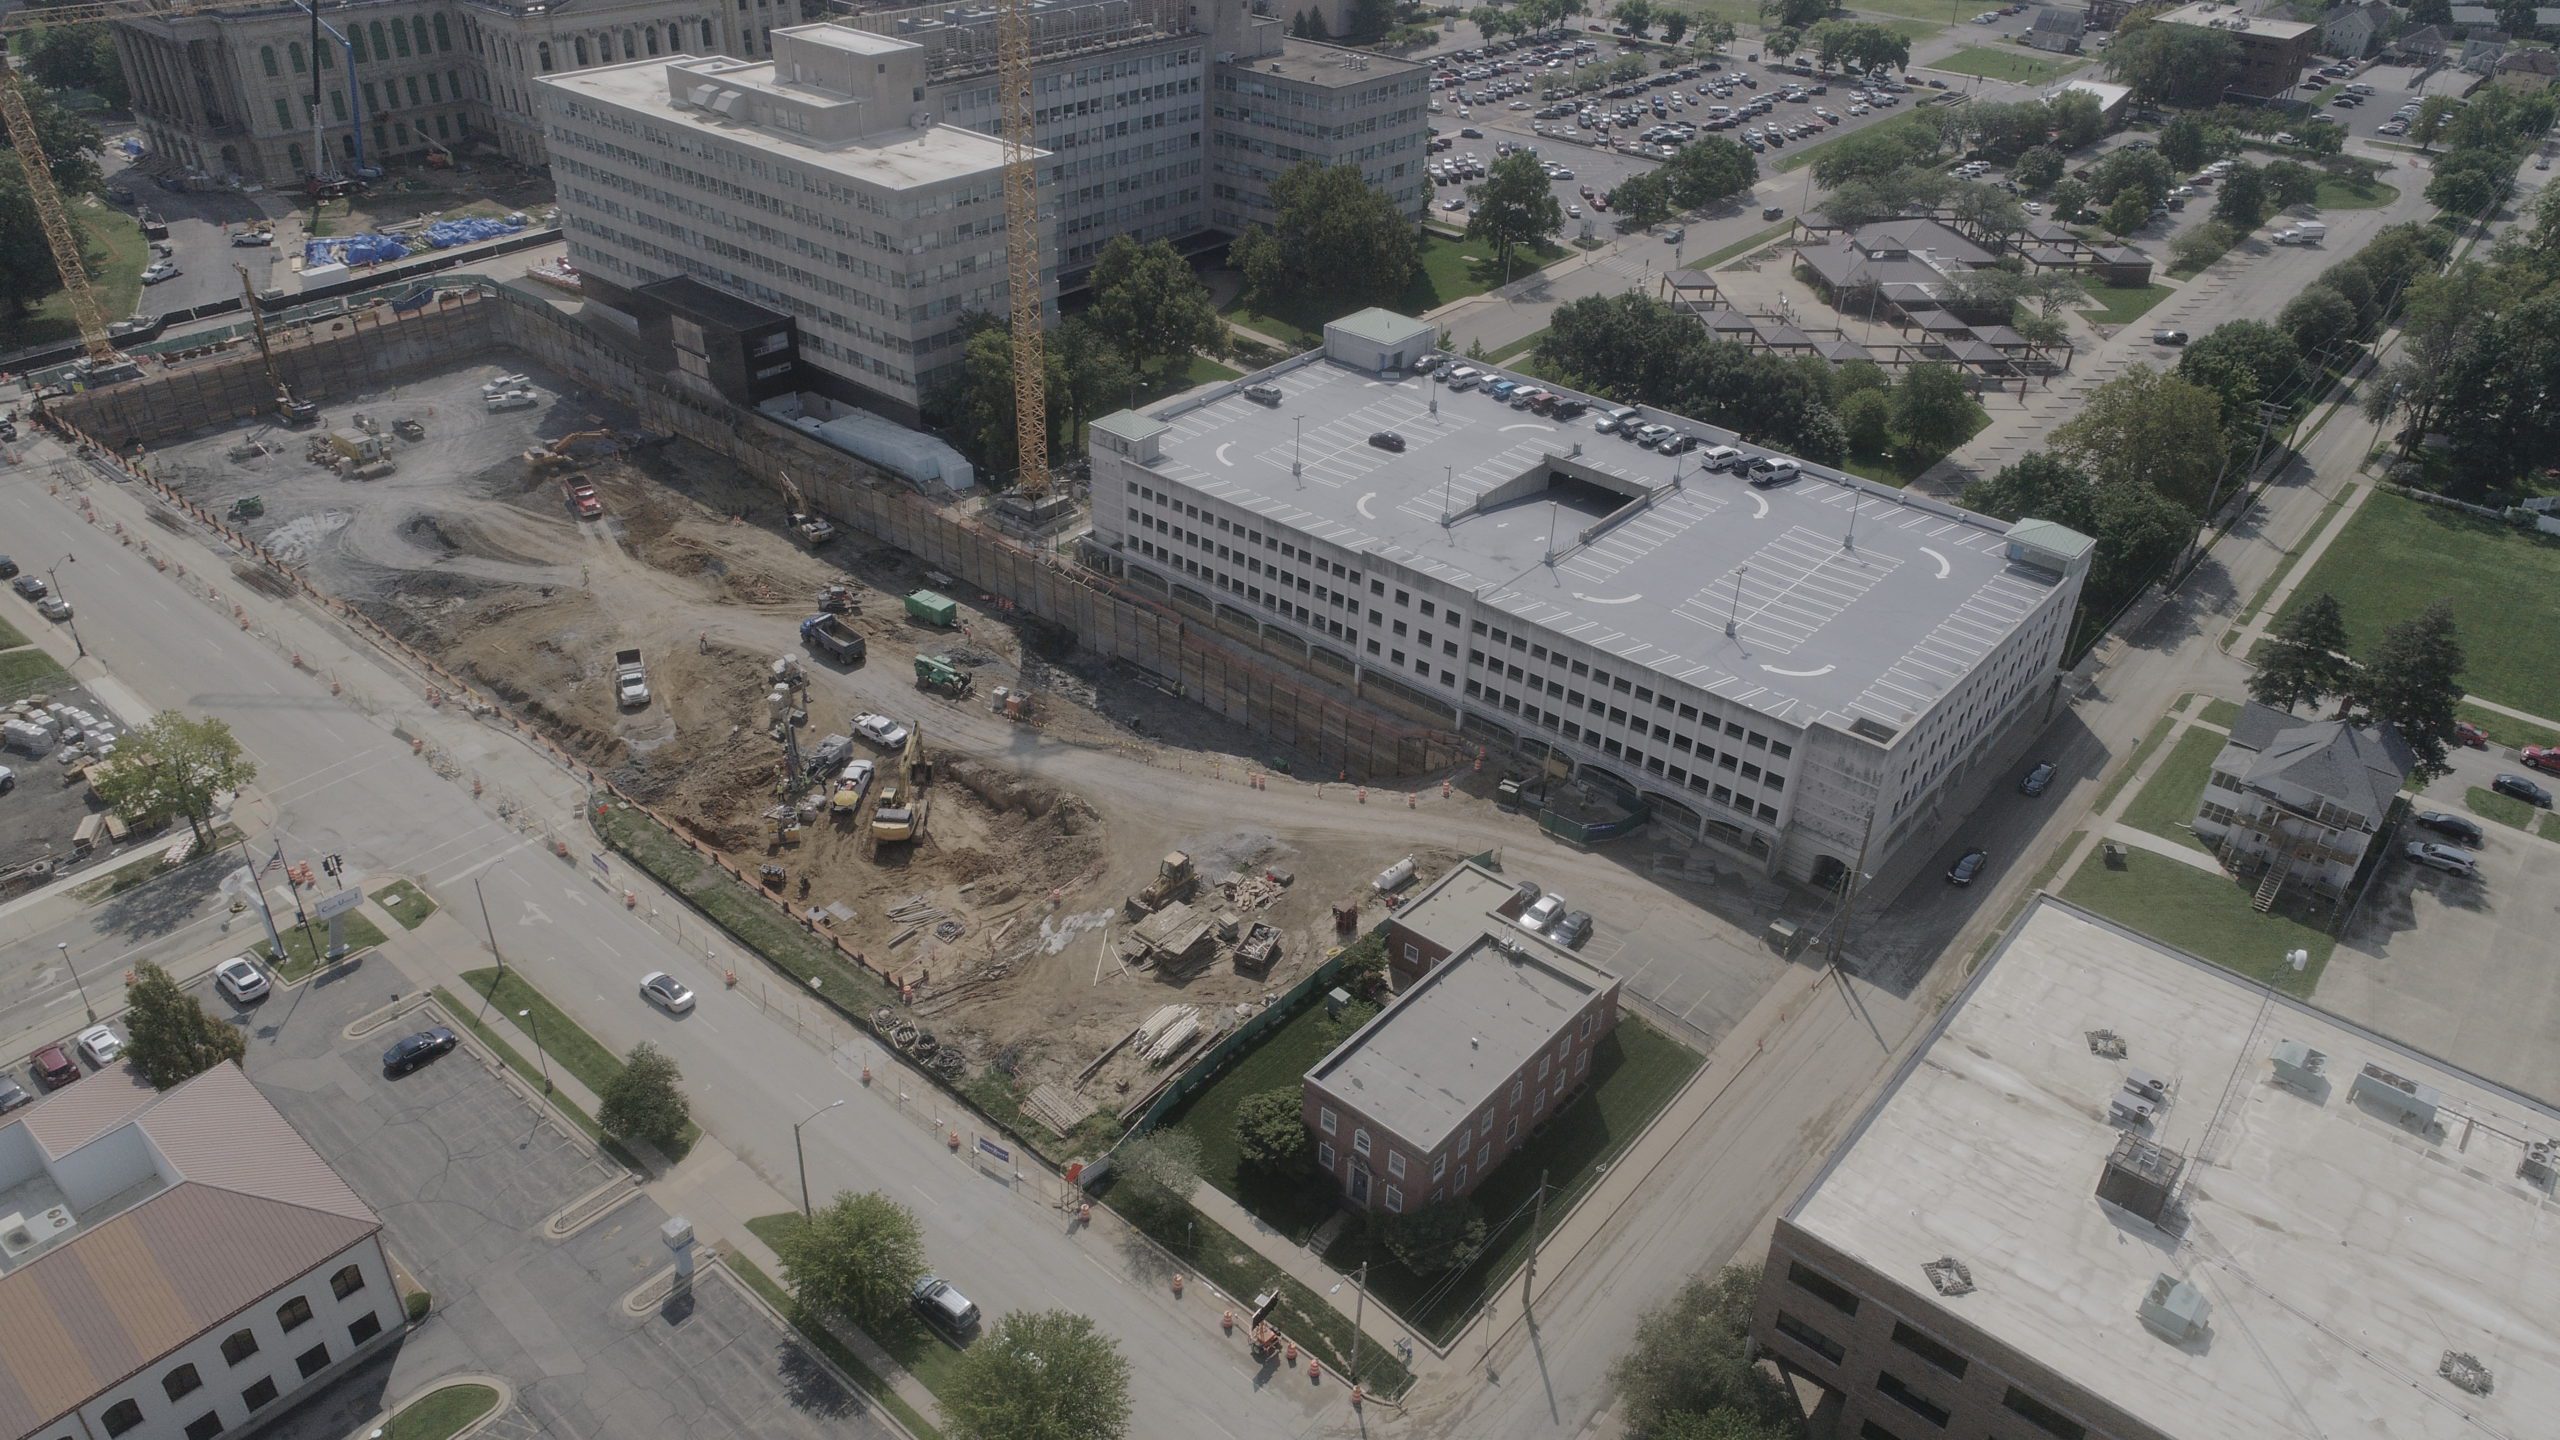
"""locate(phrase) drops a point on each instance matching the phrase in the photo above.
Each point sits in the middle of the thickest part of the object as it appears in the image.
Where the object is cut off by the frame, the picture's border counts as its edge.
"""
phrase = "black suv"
(2460, 828)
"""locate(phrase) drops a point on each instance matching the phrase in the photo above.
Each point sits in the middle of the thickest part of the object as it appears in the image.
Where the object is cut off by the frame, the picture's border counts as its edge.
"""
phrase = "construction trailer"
(933, 608)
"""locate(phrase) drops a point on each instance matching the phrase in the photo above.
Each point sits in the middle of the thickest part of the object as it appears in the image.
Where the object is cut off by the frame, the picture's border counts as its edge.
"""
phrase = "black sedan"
(2461, 828)
(2037, 780)
(2522, 789)
(415, 1050)
(1967, 866)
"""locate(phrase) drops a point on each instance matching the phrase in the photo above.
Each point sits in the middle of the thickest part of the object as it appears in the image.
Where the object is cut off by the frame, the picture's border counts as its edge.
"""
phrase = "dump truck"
(1174, 881)
(833, 638)
(933, 608)
(899, 817)
(630, 681)
(936, 672)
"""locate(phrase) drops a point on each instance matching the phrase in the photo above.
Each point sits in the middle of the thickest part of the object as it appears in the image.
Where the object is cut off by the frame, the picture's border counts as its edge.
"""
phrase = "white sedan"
(100, 1046)
(666, 992)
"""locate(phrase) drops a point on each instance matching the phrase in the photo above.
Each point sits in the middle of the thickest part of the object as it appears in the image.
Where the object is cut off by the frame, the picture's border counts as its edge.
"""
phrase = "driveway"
(467, 1175)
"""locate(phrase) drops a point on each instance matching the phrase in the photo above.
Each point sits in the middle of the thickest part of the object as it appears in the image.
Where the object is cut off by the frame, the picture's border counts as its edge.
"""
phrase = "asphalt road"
(204, 252)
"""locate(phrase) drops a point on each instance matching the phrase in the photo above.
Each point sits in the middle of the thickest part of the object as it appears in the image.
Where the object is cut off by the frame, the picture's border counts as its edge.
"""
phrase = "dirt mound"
(1007, 792)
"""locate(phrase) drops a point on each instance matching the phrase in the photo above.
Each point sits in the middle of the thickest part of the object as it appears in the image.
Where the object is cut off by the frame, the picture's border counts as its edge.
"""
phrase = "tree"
(1871, 154)
(1636, 15)
(2070, 197)
(1642, 199)
(2412, 682)
(1779, 44)
(2242, 362)
(2127, 215)
(2468, 182)
(2185, 143)
(2430, 12)
(2290, 182)
(2195, 249)
(2305, 661)
(168, 1035)
(1159, 1169)
(2077, 120)
(2139, 533)
(2150, 429)
(1271, 1132)
(1151, 306)
(1367, 19)
(1985, 211)
(1692, 1357)
(1794, 14)
(1933, 408)
(78, 57)
(2516, 17)
(1335, 244)
(644, 1102)
(1038, 1375)
(2434, 112)
(976, 404)
(1434, 1239)
(2008, 130)
(1515, 205)
(2142, 171)
(1674, 25)
(1704, 171)
(1867, 416)
(857, 1259)
(174, 766)
(2039, 167)
(2174, 64)
(2317, 319)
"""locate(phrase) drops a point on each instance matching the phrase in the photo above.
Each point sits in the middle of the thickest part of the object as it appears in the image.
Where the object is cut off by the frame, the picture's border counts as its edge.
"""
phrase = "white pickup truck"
(630, 682)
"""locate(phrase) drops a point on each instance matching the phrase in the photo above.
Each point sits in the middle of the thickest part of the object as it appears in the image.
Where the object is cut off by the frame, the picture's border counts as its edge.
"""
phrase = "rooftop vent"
(23, 1232)
(2140, 1177)
(2466, 1372)
(2541, 1163)
(1950, 1275)
(2174, 1310)
(2106, 1044)
(2301, 1067)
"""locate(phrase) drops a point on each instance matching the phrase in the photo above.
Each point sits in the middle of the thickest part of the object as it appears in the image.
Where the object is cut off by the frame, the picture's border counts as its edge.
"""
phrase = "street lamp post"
(801, 1155)
(535, 1022)
(76, 982)
(79, 650)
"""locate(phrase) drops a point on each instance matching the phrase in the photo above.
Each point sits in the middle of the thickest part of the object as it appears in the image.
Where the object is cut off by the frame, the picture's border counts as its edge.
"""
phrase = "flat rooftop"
(1429, 1061)
(2341, 1251)
(1878, 631)
(897, 158)
(2223, 16)
(1309, 62)
(1458, 907)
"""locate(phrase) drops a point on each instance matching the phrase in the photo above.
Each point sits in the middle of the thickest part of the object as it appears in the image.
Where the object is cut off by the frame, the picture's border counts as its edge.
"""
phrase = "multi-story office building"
(2121, 1193)
(816, 185)
(1794, 671)
(2272, 50)
(227, 91)
(178, 1265)
(1290, 102)
(1493, 1032)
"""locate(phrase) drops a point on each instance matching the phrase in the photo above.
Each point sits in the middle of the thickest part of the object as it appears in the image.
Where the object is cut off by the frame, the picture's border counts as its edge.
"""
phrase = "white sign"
(336, 903)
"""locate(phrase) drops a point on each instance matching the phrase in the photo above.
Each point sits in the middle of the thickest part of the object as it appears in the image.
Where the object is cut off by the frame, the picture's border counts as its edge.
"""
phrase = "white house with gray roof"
(2299, 802)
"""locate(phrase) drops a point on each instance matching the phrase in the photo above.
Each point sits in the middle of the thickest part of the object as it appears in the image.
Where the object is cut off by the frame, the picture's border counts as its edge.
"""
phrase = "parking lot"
(42, 807)
(467, 1175)
(2393, 87)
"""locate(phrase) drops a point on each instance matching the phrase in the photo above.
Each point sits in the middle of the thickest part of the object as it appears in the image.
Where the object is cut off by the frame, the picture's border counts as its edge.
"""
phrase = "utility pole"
(1359, 1308)
(1537, 1222)
(1849, 895)
(493, 947)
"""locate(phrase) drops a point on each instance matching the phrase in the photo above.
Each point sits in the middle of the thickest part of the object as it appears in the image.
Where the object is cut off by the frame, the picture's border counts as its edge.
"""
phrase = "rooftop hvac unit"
(2541, 1163)
(2300, 1067)
(2466, 1372)
(2140, 1177)
(1949, 1275)
(2411, 1104)
(2174, 1310)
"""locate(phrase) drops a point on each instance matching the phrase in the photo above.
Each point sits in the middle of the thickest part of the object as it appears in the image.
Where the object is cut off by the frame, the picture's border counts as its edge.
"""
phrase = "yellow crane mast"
(1022, 248)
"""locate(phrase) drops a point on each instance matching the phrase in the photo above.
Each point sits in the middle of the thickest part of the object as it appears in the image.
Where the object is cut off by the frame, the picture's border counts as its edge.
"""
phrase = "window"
(1324, 1155)
(204, 1426)
(267, 59)
(260, 1395)
(1930, 1350)
(1395, 1163)
(122, 1416)
(1891, 1386)
(1439, 1165)
(1810, 1338)
(239, 1345)
(1822, 1287)
(1395, 1200)
(1324, 1120)
(293, 1314)
(1360, 1141)
(312, 1361)
(2044, 1417)
(347, 1281)
(1484, 1157)
(182, 1381)
(1873, 1431)
(366, 1327)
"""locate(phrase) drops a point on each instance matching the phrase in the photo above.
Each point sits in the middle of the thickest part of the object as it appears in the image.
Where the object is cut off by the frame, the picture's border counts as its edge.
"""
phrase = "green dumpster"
(934, 609)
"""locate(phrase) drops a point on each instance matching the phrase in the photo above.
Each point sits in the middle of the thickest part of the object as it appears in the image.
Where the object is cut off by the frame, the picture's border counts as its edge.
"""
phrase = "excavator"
(290, 408)
(813, 528)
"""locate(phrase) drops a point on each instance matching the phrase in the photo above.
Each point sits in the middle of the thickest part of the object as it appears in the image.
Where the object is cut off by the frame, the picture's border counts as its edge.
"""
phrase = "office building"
(2298, 803)
(226, 91)
(1793, 672)
(2272, 51)
(813, 185)
(1284, 103)
(176, 1266)
(1481, 1045)
(2120, 1193)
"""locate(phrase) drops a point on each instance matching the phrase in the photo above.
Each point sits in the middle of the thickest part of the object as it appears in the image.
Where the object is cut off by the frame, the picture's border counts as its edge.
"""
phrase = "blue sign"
(990, 1147)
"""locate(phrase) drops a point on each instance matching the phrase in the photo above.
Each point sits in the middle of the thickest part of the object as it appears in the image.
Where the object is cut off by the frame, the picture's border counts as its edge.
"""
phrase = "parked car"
(1388, 440)
(880, 730)
(159, 270)
(1573, 929)
(1770, 471)
(2518, 787)
(2037, 779)
(2460, 827)
(2442, 857)
(666, 992)
(99, 1046)
(1546, 910)
(2169, 337)
(29, 587)
(1967, 866)
(54, 1067)
(2545, 758)
(2466, 733)
(412, 1051)
(13, 1095)
(240, 978)
(1270, 394)
(54, 607)
(944, 1308)
(8, 568)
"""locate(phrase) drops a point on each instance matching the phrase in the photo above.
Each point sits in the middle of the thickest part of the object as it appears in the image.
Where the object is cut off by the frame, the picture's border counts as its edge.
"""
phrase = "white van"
(1719, 457)
(1465, 377)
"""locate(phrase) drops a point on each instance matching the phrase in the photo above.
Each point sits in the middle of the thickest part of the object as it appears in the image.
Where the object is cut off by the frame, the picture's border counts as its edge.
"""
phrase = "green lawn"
(1452, 269)
(2201, 912)
(1518, 348)
(2488, 804)
(871, 1381)
(2150, 742)
(2338, 194)
(2225, 713)
(441, 1413)
(304, 945)
(2124, 304)
(1799, 156)
(2507, 730)
(1634, 1073)
(2548, 827)
(2396, 556)
(25, 671)
(407, 903)
(117, 252)
(10, 636)
(1281, 1061)
(567, 1047)
(2004, 62)
(2166, 806)
(1742, 247)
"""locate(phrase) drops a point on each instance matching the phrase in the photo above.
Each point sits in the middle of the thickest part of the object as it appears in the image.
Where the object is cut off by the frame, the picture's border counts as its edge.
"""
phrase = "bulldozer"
(936, 672)
(1174, 881)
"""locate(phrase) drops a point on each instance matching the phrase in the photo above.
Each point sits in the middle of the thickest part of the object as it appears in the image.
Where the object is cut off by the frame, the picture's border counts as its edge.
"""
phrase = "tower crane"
(1022, 248)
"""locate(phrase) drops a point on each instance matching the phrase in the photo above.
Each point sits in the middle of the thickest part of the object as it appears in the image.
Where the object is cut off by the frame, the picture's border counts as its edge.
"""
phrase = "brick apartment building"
(1491, 1033)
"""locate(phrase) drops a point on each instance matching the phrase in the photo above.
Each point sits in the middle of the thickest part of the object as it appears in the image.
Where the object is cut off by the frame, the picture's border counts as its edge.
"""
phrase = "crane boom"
(1022, 248)
(58, 234)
